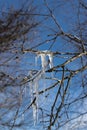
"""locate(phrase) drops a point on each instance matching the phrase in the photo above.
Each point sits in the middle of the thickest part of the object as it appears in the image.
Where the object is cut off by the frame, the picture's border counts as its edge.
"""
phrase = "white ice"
(50, 60)
(34, 84)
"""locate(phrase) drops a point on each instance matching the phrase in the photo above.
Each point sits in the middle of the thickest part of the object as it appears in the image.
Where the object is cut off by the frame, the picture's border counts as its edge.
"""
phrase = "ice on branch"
(43, 61)
(46, 61)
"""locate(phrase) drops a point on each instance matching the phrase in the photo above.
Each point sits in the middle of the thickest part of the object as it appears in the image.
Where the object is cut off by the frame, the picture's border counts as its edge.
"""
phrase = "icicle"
(36, 58)
(31, 85)
(34, 93)
(34, 113)
(34, 84)
(31, 91)
(50, 60)
(43, 61)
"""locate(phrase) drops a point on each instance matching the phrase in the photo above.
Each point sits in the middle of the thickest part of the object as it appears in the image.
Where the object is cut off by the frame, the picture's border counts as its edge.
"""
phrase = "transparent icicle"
(34, 84)
(32, 96)
(43, 61)
(34, 93)
(36, 59)
(31, 86)
(50, 60)
(34, 113)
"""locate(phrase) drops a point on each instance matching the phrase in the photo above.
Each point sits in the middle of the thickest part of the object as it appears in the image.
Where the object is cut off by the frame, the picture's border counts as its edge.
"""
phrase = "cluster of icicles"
(34, 84)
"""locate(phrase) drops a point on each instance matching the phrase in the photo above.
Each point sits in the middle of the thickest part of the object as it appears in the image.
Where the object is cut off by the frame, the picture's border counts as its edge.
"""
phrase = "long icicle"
(35, 83)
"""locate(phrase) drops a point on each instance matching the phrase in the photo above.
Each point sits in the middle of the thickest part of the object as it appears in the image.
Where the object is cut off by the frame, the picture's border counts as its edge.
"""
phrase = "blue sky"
(67, 22)
(8, 3)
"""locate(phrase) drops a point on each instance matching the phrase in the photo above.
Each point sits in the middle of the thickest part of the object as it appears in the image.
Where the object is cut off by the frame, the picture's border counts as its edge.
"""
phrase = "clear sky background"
(67, 22)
